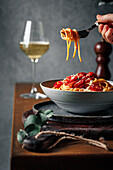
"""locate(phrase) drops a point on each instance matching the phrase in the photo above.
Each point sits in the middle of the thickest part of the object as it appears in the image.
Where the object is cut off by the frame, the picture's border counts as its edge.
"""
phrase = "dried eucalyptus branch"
(73, 137)
(62, 138)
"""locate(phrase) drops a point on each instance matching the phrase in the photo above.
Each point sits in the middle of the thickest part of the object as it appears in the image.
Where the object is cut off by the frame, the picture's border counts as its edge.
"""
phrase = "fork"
(85, 33)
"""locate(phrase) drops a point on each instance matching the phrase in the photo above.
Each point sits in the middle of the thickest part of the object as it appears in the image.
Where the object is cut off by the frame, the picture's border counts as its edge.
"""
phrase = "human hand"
(106, 29)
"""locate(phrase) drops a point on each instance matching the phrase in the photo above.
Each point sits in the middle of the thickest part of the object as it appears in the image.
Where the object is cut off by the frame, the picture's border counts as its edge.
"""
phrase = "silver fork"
(85, 33)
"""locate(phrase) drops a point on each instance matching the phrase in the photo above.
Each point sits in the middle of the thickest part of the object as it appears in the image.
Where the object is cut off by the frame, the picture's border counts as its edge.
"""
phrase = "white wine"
(35, 49)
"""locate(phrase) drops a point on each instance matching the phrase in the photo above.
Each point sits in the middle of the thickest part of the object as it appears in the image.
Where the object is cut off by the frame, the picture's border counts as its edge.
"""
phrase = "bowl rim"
(67, 91)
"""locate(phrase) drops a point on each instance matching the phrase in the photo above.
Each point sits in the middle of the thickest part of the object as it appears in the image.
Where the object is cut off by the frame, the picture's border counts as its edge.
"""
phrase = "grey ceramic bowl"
(78, 102)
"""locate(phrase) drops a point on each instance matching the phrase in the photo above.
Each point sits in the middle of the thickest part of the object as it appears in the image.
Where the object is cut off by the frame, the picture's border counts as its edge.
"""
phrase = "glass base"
(33, 95)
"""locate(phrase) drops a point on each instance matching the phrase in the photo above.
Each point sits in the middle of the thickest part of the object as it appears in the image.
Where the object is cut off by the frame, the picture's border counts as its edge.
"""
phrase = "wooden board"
(73, 156)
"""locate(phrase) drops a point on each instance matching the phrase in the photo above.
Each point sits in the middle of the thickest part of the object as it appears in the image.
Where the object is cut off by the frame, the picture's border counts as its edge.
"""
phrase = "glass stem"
(34, 88)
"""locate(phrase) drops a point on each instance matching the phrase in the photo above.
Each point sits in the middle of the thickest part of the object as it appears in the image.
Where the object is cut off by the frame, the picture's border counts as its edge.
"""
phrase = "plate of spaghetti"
(84, 82)
(80, 93)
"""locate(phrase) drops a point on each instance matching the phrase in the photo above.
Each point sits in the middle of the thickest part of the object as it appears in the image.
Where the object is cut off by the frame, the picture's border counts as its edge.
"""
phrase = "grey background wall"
(16, 67)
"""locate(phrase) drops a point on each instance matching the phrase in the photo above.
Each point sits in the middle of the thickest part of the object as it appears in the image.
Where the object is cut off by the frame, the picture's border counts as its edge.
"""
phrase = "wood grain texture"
(73, 156)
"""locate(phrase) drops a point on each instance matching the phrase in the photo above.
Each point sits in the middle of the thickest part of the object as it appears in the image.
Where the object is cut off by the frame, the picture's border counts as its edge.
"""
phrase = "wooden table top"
(77, 156)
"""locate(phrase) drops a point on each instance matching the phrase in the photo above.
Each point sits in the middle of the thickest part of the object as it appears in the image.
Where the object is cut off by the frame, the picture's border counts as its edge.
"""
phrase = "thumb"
(105, 18)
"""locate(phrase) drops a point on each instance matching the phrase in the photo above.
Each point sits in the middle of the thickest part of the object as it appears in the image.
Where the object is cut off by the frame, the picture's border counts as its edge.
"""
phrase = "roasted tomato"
(81, 75)
(95, 87)
(79, 83)
(71, 84)
(91, 74)
(58, 84)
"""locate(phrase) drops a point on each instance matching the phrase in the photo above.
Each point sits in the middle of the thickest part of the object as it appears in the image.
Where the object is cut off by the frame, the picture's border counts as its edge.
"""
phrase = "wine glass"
(34, 45)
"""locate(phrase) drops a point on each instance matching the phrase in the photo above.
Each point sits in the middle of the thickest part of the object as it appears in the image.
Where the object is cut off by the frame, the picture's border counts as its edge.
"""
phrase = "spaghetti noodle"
(71, 35)
(83, 82)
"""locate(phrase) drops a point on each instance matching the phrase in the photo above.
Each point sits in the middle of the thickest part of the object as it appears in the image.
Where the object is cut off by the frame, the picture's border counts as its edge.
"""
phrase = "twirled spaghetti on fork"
(71, 35)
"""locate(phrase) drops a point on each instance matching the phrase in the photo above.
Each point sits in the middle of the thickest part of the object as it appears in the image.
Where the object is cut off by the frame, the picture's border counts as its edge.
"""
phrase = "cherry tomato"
(79, 83)
(91, 74)
(71, 85)
(74, 78)
(95, 87)
(58, 84)
(81, 75)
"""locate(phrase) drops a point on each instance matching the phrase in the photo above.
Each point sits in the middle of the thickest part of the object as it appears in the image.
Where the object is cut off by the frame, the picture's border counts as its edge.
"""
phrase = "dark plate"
(60, 115)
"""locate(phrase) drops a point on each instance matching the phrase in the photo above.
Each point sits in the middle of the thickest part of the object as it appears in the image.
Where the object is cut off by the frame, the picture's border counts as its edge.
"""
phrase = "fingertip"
(98, 16)
(96, 22)
(111, 31)
(101, 27)
(107, 27)
(109, 35)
